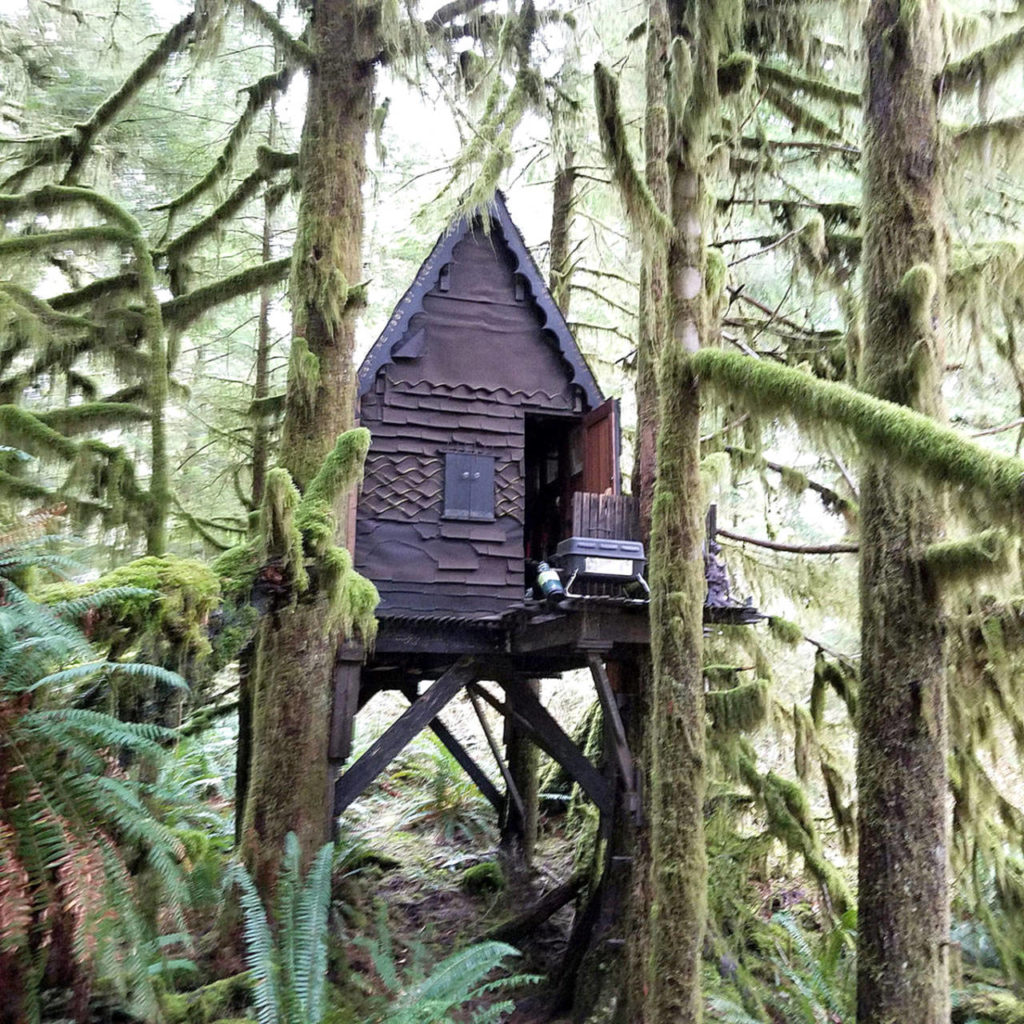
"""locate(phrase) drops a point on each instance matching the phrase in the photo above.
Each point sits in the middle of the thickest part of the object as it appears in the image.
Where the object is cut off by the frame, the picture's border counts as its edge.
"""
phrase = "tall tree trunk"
(295, 657)
(560, 274)
(663, 979)
(903, 917)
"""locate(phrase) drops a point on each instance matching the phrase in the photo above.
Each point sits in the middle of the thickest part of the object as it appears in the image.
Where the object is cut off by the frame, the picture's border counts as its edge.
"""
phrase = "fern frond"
(260, 954)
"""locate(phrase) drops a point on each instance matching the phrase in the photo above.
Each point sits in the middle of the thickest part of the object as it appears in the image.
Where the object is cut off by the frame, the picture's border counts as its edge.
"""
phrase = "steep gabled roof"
(426, 279)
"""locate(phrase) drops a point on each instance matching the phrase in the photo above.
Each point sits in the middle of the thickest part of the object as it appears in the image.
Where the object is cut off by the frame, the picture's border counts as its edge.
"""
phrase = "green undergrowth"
(163, 614)
(297, 533)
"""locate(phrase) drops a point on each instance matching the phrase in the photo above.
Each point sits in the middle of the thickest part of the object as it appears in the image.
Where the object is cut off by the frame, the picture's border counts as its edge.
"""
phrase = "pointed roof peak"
(426, 278)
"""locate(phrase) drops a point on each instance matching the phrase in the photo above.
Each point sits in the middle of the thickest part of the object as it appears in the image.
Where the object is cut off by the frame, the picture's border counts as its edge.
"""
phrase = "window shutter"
(468, 486)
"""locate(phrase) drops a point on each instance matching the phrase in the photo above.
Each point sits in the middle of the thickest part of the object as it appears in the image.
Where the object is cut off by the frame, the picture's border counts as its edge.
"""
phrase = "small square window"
(468, 486)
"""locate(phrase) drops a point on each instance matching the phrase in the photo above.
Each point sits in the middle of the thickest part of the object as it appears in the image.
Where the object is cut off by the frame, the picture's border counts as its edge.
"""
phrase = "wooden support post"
(532, 716)
(519, 825)
(388, 746)
(344, 705)
(513, 793)
(615, 733)
(462, 756)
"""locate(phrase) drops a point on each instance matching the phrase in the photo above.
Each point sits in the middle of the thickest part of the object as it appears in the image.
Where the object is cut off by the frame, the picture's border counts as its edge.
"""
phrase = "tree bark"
(560, 274)
(903, 908)
(295, 653)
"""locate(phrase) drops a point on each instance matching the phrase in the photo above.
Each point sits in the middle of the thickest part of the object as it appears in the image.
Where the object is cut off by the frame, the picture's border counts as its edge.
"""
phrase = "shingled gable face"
(475, 395)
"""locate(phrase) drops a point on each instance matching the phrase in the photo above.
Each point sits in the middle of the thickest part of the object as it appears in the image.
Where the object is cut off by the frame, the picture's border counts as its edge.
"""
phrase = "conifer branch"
(815, 87)
(183, 310)
(890, 431)
(974, 139)
(125, 282)
(269, 163)
(76, 144)
(799, 116)
(964, 75)
(25, 244)
(259, 95)
(74, 419)
(295, 51)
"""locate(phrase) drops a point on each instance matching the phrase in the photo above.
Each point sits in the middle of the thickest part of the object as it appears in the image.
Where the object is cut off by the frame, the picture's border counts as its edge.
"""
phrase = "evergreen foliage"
(80, 839)
(287, 961)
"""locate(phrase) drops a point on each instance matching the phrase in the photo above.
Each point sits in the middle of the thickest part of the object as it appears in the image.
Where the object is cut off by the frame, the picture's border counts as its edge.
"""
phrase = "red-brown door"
(601, 449)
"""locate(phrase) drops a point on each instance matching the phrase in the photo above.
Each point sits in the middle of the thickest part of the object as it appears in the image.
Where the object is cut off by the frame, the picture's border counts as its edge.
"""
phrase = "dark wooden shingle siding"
(469, 367)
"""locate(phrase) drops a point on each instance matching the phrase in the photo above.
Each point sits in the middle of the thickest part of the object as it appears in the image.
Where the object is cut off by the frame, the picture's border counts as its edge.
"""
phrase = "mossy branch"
(76, 145)
(259, 95)
(25, 244)
(638, 200)
(102, 288)
(793, 82)
(269, 163)
(889, 431)
(968, 559)
(295, 51)
(27, 431)
(185, 309)
(799, 116)
(93, 416)
(964, 75)
(977, 141)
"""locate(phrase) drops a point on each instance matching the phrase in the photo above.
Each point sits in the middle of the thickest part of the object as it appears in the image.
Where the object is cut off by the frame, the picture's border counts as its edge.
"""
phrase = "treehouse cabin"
(492, 449)
(487, 429)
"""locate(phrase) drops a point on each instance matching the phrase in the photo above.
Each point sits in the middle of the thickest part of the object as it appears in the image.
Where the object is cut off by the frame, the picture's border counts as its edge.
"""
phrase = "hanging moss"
(166, 606)
(637, 198)
(352, 598)
(837, 676)
(916, 292)
(969, 559)
(843, 811)
(740, 709)
(303, 374)
(785, 631)
(341, 471)
(893, 432)
(735, 73)
(790, 820)
(278, 531)
(804, 741)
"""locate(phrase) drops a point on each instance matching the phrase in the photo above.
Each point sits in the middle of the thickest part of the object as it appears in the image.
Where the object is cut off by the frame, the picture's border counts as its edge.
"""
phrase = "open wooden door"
(601, 449)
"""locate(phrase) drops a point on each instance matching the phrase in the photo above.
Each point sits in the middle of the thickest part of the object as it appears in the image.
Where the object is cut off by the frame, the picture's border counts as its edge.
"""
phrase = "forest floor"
(421, 881)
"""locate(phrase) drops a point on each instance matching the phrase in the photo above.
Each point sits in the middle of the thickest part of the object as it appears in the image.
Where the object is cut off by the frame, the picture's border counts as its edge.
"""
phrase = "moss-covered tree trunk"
(903, 919)
(685, 40)
(560, 273)
(288, 790)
